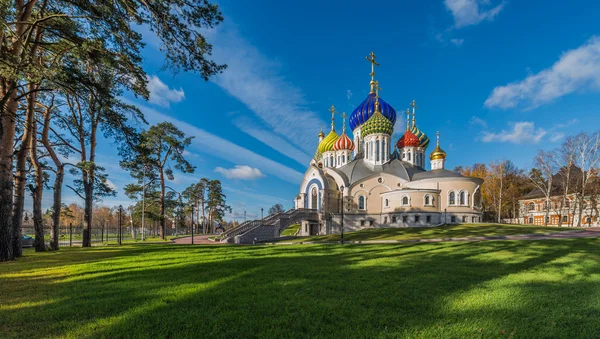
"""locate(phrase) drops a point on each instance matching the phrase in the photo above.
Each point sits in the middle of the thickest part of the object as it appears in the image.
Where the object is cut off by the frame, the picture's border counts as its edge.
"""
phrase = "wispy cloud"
(476, 121)
(257, 81)
(348, 94)
(521, 132)
(557, 136)
(576, 70)
(472, 12)
(240, 172)
(161, 94)
(457, 42)
(225, 149)
(272, 140)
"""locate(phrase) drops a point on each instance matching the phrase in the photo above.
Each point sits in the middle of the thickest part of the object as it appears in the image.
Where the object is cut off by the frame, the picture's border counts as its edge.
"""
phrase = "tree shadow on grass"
(308, 291)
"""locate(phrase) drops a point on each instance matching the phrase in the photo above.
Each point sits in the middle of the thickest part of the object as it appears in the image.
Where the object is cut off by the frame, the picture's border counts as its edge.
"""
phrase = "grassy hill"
(545, 288)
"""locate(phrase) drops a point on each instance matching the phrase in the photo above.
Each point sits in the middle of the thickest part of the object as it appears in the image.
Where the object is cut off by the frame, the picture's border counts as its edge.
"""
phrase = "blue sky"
(498, 79)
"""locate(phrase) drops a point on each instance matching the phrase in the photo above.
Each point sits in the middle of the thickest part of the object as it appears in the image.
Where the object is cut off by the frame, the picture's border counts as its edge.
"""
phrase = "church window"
(362, 222)
(361, 202)
(417, 218)
(565, 218)
(403, 155)
(385, 220)
(477, 198)
(313, 201)
(387, 203)
(339, 159)
(372, 150)
(343, 158)
(427, 200)
(531, 220)
(452, 219)
(462, 198)
(405, 201)
(384, 151)
(377, 150)
(408, 155)
(452, 198)
(428, 218)
(332, 160)
(404, 218)
(394, 219)
(464, 219)
(370, 222)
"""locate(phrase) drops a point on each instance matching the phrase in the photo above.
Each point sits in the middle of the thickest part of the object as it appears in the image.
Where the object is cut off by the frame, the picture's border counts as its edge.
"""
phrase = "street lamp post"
(120, 230)
(245, 216)
(192, 224)
(342, 235)
(261, 213)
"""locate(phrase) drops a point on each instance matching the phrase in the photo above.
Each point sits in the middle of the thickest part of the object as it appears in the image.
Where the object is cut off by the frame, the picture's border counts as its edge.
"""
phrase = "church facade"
(365, 179)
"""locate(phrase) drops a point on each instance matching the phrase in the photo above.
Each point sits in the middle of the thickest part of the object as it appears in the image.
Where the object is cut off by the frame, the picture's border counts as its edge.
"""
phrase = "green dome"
(326, 144)
(377, 124)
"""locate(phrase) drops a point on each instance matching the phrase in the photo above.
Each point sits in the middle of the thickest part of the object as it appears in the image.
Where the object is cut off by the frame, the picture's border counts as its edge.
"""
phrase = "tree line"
(64, 68)
(570, 170)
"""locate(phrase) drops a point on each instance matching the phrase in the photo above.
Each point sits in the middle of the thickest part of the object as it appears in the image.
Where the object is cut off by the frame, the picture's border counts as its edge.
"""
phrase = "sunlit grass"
(449, 231)
(291, 230)
(544, 288)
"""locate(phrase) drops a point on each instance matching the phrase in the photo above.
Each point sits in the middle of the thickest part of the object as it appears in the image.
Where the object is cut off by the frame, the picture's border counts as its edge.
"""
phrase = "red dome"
(343, 143)
(408, 139)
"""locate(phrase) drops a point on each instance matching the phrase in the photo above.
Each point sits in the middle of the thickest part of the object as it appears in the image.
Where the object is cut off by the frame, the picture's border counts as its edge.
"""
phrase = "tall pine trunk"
(37, 191)
(7, 134)
(57, 205)
(163, 220)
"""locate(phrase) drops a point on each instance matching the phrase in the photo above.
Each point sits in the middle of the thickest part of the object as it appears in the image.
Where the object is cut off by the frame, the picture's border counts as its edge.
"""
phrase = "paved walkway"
(198, 240)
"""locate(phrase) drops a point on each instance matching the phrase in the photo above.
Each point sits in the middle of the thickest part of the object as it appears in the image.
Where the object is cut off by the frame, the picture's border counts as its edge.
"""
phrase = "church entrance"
(313, 229)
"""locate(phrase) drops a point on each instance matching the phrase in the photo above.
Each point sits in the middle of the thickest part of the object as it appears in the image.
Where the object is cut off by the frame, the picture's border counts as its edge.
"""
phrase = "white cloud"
(457, 42)
(576, 70)
(522, 132)
(557, 136)
(472, 12)
(348, 94)
(161, 94)
(257, 81)
(476, 121)
(273, 140)
(224, 149)
(241, 172)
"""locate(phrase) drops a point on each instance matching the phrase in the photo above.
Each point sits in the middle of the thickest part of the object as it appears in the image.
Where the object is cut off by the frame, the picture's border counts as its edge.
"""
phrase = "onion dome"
(437, 153)
(365, 110)
(423, 139)
(409, 139)
(326, 144)
(377, 123)
(343, 143)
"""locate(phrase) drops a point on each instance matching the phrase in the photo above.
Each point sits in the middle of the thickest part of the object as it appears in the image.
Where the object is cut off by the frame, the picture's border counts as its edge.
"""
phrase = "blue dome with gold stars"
(365, 110)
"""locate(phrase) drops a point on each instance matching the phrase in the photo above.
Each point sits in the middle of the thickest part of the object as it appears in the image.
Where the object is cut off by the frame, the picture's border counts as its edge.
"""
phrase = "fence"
(72, 235)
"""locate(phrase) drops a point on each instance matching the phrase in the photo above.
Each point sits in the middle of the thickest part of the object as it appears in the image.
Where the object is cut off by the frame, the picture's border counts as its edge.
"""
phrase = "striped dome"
(423, 139)
(377, 123)
(344, 143)
(409, 139)
(326, 144)
(365, 110)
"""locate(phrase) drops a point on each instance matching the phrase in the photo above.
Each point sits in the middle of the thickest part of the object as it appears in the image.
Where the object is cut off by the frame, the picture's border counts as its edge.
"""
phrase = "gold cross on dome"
(413, 104)
(377, 89)
(343, 122)
(371, 58)
(332, 110)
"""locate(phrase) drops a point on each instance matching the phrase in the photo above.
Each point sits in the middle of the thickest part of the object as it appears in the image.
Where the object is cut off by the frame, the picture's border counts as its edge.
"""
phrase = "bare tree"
(587, 157)
(541, 176)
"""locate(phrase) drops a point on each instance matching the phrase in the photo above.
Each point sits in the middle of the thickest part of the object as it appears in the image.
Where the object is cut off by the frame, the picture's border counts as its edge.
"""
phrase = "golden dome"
(437, 153)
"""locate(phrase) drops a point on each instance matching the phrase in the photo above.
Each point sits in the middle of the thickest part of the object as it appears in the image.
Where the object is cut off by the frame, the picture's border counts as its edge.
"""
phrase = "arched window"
(332, 161)
(313, 198)
(451, 198)
(384, 150)
(477, 198)
(343, 158)
(461, 198)
(339, 159)
(405, 201)
(408, 154)
(387, 203)
(427, 200)
(372, 150)
(403, 155)
(377, 153)
(326, 162)
(361, 202)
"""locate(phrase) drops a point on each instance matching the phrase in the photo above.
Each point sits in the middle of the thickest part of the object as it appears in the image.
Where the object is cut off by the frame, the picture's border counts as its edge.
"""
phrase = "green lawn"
(542, 288)
(449, 231)
(291, 230)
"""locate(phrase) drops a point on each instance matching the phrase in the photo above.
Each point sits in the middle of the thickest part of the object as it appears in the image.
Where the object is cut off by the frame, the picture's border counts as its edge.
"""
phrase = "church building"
(366, 179)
